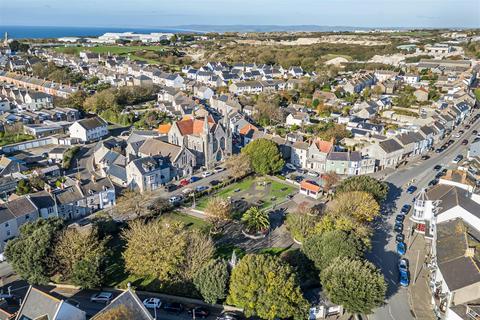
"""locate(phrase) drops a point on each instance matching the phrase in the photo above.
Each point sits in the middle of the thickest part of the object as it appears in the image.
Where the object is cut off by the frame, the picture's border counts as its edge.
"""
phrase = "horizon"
(152, 14)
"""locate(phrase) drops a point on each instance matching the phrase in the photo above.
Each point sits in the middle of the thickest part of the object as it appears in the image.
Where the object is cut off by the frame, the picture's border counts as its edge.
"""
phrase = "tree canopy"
(358, 204)
(30, 254)
(300, 224)
(266, 286)
(378, 189)
(322, 249)
(256, 220)
(264, 156)
(212, 280)
(238, 165)
(357, 285)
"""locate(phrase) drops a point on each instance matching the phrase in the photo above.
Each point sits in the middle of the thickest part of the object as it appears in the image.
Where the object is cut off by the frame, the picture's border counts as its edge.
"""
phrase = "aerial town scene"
(233, 160)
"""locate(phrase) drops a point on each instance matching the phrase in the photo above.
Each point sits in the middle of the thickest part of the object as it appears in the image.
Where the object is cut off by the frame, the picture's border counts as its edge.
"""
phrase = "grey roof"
(390, 145)
(344, 156)
(37, 304)
(42, 199)
(153, 147)
(130, 300)
(96, 185)
(5, 214)
(21, 206)
(155, 163)
(117, 172)
(427, 130)
(410, 137)
(458, 270)
(68, 195)
(451, 196)
(92, 123)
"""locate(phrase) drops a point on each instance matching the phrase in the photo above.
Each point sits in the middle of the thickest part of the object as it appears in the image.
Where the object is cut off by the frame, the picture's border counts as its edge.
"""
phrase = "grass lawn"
(278, 192)
(225, 251)
(9, 138)
(273, 251)
(188, 220)
(331, 56)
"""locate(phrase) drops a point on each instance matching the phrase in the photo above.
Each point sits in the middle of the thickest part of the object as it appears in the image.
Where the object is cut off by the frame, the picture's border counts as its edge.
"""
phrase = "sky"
(159, 13)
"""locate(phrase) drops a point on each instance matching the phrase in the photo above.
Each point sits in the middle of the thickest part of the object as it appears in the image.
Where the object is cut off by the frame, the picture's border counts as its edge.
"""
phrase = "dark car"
(464, 142)
(461, 132)
(439, 150)
(229, 315)
(170, 187)
(399, 237)
(399, 218)
(173, 307)
(406, 208)
(433, 182)
(411, 189)
(437, 167)
(200, 312)
(398, 227)
(214, 182)
(425, 157)
(194, 179)
(474, 132)
(467, 126)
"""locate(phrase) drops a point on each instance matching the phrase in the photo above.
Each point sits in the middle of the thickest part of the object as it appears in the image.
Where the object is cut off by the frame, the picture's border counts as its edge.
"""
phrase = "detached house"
(148, 174)
(88, 130)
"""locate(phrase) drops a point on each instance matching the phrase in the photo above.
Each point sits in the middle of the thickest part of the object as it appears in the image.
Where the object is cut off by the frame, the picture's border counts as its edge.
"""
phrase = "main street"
(398, 306)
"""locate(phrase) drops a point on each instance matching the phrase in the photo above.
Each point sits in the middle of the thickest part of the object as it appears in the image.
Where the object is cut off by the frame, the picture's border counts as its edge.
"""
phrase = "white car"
(152, 303)
(218, 169)
(291, 166)
(457, 159)
(456, 135)
(312, 174)
(206, 174)
(175, 199)
(104, 297)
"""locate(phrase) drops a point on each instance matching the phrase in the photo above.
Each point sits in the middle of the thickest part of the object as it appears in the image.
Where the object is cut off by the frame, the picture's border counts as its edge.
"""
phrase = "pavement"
(413, 302)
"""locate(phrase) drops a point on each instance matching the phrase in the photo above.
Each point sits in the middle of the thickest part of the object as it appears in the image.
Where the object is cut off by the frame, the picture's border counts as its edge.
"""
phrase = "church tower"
(207, 141)
(5, 39)
(228, 135)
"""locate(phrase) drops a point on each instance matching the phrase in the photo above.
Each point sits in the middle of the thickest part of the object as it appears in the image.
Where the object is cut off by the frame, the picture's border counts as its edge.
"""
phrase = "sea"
(38, 32)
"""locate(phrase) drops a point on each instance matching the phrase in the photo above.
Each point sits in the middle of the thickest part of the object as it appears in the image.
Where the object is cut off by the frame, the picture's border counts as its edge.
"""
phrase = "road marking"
(390, 312)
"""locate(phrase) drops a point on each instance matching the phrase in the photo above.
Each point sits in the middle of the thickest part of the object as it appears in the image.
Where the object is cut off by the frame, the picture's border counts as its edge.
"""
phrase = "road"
(383, 252)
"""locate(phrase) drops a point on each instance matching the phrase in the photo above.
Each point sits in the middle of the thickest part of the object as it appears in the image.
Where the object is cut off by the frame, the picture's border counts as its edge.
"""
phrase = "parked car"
(425, 157)
(214, 182)
(464, 142)
(173, 307)
(194, 179)
(218, 169)
(175, 200)
(404, 279)
(405, 209)
(401, 248)
(201, 188)
(200, 312)
(290, 166)
(229, 315)
(461, 132)
(403, 265)
(184, 182)
(170, 187)
(439, 150)
(433, 182)
(437, 167)
(399, 237)
(474, 132)
(456, 135)
(312, 174)
(102, 297)
(457, 159)
(467, 126)
(411, 189)
(206, 174)
(152, 303)
(400, 218)
(398, 227)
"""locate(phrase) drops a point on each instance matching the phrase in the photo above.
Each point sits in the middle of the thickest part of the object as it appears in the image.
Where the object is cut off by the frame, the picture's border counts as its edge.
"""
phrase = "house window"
(8, 233)
(27, 217)
(6, 225)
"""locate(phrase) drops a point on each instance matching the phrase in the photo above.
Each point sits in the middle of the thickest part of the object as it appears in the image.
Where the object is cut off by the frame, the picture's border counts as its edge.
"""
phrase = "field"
(9, 138)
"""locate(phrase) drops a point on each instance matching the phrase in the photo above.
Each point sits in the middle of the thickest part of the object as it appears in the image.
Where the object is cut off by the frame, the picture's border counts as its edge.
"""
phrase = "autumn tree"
(378, 189)
(80, 255)
(360, 205)
(301, 224)
(265, 157)
(155, 249)
(212, 280)
(265, 286)
(132, 205)
(323, 248)
(341, 221)
(355, 284)
(199, 251)
(218, 210)
(330, 179)
(238, 165)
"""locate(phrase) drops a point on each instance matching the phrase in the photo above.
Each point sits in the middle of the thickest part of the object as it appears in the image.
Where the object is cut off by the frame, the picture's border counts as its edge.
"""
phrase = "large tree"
(345, 222)
(30, 254)
(80, 255)
(238, 165)
(301, 224)
(322, 249)
(265, 156)
(360, 205)
(378, 189)
(355, 284)
(211, 281)
(155, 249)
(218, 210)
(200, 249)
(266, 286)
(132, 205)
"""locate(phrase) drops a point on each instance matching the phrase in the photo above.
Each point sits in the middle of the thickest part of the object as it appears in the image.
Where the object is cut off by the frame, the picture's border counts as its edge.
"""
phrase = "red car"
(184, 182)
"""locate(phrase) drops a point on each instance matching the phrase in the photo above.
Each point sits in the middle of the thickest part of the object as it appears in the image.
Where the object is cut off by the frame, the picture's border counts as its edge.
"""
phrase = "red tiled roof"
(324, 146)
(246, 129)
(164, 128)
(310, 185)
(193, 126)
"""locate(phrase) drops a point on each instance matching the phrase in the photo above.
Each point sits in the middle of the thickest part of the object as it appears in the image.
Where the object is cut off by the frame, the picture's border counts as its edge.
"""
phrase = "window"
(6, 225)
(8, 233)
(27, 217)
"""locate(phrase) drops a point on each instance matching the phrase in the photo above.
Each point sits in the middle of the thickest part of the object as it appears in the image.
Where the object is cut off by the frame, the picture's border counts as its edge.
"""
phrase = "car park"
(102, 297)
(199, 312)
(401, 248)
(405, 209)
(173, 307)
(152, 303)
(411, 189)
(206, 174)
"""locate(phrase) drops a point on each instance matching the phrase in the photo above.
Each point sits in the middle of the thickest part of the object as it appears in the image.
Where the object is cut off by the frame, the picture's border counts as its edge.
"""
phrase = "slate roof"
(130, 300)
(153, 147)
(92, 123)
(344, 156)
(117, 172)
(458, 269)
(390, 145)
(42, 199)
(38, 304)
(450, 197)
(410, 137)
